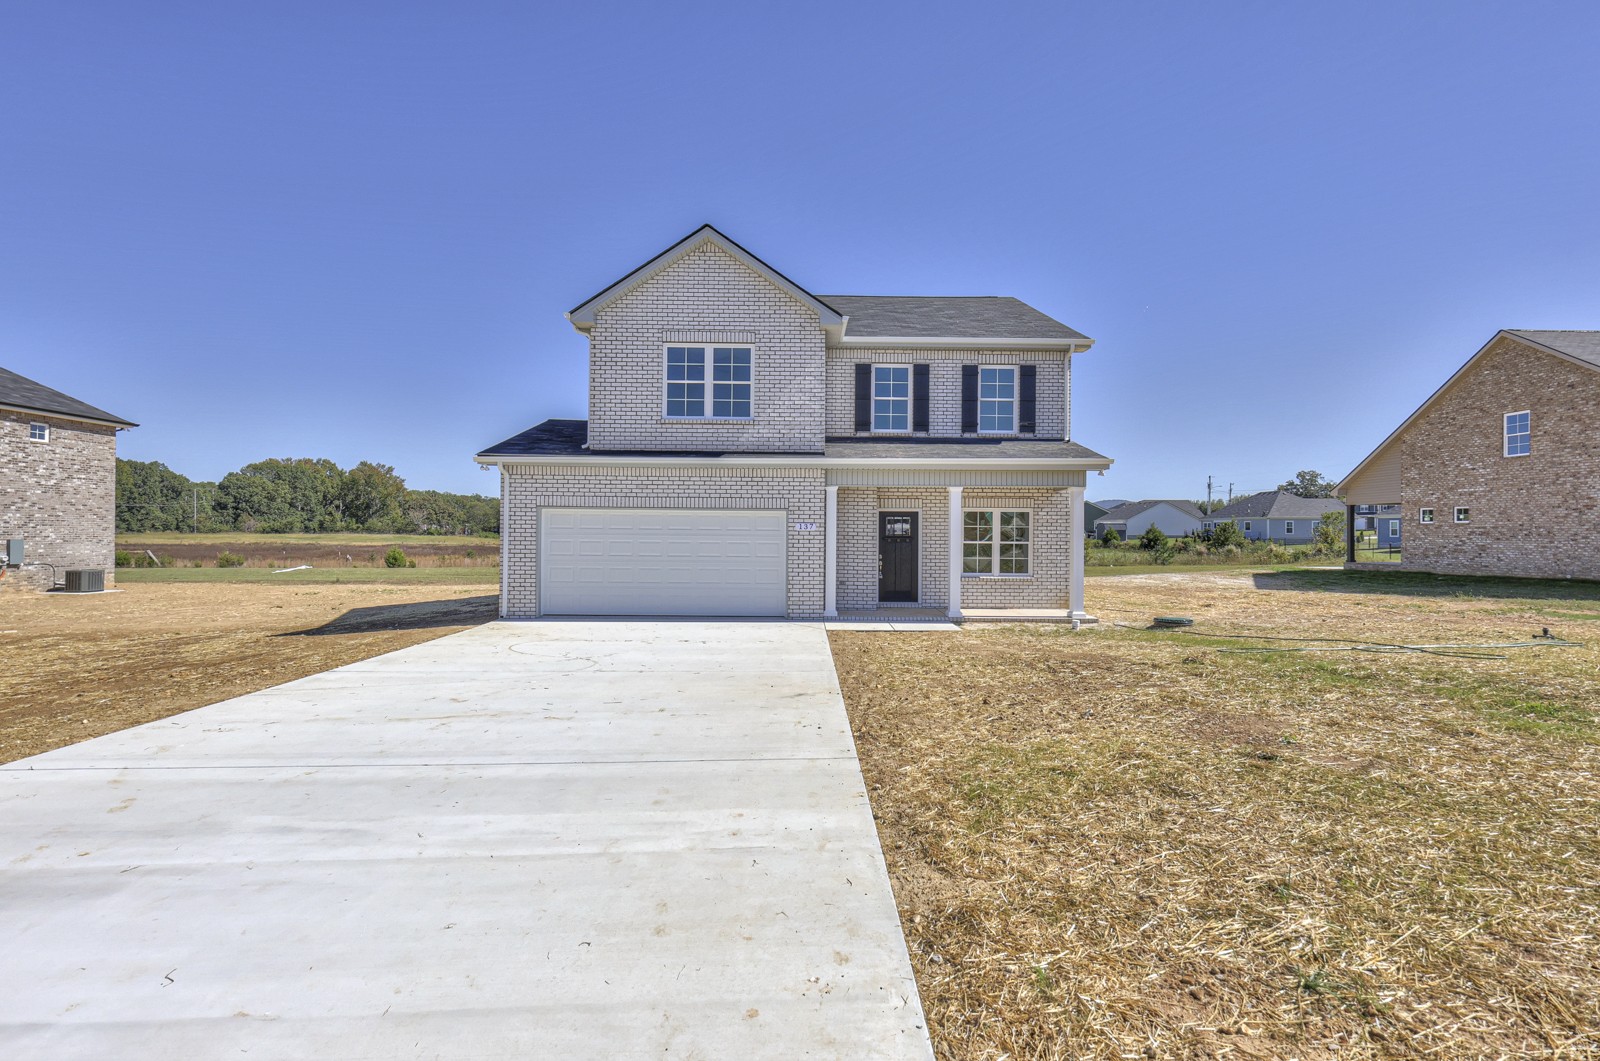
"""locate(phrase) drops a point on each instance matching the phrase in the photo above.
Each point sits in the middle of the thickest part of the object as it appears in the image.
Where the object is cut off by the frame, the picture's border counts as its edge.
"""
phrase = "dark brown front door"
(897, 556)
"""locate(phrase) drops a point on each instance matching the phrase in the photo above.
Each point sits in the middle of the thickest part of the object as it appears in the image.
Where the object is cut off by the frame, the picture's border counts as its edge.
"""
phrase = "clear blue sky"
(351, 229)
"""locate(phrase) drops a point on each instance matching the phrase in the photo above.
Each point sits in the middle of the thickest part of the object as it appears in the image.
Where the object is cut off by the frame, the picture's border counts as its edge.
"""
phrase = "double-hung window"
(730, 382)
(38, 432)
(995, 542)
(1463, 514)
(891, 397)
(1288, 526)
(1519, 434)
(1425, 515)
(997, 398)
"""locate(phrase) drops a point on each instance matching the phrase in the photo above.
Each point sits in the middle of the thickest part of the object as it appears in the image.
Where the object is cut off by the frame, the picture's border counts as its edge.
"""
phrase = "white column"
(1075, 553)
(830, 555)
(955, 553)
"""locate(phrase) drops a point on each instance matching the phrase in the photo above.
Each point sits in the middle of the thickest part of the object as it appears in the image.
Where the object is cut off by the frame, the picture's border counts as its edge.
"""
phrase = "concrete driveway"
(608, 839)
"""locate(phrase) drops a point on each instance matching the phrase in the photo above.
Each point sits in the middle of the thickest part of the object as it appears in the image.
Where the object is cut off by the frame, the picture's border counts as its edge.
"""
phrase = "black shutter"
(863, 397)
(919, 397)
(1027, 406)
(969, 398)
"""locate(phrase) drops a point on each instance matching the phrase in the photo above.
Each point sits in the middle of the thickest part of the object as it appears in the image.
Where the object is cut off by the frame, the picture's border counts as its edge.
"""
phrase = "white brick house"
(754, 449)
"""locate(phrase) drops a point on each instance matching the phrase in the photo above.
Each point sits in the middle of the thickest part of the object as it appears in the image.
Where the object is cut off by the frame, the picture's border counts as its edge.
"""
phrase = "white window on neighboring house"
(730, 397)
(997, 398)
(38, 432)
(995, 542)
(1519, 434)
(891, 397)
(1394, 528)
(1246, 524)
(1463, 515)
(1288, 526)
(1425, 515)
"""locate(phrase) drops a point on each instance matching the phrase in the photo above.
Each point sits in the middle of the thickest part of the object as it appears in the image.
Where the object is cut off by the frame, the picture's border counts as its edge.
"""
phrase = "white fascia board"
(66, 416)
(801, 460)
(954, 342)
(582, 318)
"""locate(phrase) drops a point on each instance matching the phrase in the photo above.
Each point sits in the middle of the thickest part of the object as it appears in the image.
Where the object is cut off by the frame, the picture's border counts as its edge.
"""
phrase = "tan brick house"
(1498, 473)
(755, 449)
(58, 486)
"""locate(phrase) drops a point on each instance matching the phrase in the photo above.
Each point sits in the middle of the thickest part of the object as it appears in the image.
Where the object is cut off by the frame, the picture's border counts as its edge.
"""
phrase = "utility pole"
(1230, 493)
(1208, 495)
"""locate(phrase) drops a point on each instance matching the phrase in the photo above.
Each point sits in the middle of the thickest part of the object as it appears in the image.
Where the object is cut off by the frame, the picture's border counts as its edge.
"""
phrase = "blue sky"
(350, 230)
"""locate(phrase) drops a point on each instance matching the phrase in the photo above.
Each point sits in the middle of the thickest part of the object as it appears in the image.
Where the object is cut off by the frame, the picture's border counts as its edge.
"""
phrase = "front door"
(897, 556)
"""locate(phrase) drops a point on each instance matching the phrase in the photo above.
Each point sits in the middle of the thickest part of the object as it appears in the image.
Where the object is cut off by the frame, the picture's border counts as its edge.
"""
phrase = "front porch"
(992, 546)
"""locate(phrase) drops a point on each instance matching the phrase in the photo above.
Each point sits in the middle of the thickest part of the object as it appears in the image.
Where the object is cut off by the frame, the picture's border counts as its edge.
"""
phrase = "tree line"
(294, 495)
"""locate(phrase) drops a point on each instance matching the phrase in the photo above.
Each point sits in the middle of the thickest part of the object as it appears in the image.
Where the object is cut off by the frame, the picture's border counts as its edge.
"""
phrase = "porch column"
(1075, 553)
(955, 553)
(1350, 534)
(830, 555)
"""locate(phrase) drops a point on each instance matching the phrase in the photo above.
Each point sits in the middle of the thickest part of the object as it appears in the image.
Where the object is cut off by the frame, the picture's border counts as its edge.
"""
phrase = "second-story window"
(730, 382)
(891, 397)
(997, 398)
(1519, 434)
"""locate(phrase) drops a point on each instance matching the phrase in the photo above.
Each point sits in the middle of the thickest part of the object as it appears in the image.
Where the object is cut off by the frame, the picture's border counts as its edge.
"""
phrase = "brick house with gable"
(58, 491)
(1498, 472)
(755, 449)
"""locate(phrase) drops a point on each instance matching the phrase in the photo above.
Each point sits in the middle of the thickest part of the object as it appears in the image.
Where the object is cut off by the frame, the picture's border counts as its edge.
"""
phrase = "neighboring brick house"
(1175, 518)
(1275, 516)
(58, 490)
(1498, 473)
(754, 449)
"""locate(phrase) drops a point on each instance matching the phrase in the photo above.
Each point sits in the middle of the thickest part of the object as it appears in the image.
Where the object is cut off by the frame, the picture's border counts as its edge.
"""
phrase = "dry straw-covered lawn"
(1125, 843)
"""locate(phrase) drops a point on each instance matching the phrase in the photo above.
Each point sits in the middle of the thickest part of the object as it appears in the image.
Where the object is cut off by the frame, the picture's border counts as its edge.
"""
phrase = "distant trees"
(1309, 484)
(1329, 535)
(295, 495)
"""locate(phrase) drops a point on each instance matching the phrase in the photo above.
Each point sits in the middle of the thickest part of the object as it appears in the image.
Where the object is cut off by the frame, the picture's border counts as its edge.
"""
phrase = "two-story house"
(755, 449)
(1498, 472)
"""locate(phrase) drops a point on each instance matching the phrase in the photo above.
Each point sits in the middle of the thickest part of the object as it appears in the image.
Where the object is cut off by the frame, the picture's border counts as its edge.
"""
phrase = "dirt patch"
(75, 667)
(1126, 843)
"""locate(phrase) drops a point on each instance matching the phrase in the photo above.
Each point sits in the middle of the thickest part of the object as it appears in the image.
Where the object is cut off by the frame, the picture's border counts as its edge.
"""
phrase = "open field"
(397, 576)
(75, 667)
(1130, 843)
(320, 550)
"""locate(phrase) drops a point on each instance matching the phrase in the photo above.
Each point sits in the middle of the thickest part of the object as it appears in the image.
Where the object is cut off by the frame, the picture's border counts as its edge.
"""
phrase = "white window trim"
(994, 556)
(1288, 526)
(708, 382)
(1505, 433)
(1246, 526)
(1394, 528)
(911, 400)
(1463, 508)
(1014, 400)
(45, 427)
(1424, 515)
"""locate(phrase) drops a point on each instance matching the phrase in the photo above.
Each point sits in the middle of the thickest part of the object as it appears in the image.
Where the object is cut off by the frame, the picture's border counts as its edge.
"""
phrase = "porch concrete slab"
(529, 839)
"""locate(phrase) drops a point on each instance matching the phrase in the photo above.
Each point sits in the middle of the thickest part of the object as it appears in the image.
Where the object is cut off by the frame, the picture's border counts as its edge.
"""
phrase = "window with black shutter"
(969, 398)
(919, 397)
(1027, 404)
(864, 397)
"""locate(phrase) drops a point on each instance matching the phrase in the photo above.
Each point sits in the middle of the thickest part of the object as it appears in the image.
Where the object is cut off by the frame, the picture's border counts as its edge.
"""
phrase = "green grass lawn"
(489, 576)
(1194, 569)
(222, 538)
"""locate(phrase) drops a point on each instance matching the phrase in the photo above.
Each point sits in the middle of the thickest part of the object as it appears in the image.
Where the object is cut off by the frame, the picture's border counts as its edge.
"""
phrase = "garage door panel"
(662, 562)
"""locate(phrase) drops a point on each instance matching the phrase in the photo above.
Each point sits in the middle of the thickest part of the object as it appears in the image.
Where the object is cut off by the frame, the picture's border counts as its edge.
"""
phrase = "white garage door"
(659, 561)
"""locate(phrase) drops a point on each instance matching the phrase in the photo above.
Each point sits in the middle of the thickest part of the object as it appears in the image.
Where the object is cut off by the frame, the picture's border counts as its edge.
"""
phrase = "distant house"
(58, 493)
(1498, 472)
(1132, 518)
(1276, 516)
(1091, 512)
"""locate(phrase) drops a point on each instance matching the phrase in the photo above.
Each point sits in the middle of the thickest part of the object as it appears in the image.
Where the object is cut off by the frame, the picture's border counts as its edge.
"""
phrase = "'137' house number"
(805, 526)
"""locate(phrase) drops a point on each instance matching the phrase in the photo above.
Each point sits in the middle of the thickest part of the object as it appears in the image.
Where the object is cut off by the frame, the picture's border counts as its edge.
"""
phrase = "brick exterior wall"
(1534, 516)
(527, 488)
(944, 386)
(1046, 587)
(706, 296)
(60, 496)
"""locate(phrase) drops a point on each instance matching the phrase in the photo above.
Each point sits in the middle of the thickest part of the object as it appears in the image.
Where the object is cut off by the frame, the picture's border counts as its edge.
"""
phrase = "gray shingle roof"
(565, 438)
(1583, 345)
(952, 316)
(1124, 512)
(1277, 504)
(20, 392)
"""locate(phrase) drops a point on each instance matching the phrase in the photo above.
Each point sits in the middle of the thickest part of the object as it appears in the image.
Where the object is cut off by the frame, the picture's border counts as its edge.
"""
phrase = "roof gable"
(1275, 504)
(1124, 512)
(583, 314)
(26, 395)
(1578, 347)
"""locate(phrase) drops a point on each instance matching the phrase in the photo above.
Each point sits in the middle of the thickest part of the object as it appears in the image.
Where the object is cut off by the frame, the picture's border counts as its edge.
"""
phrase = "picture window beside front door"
(730, 381)
(995, 542)
(891, 397)
(997, 399)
